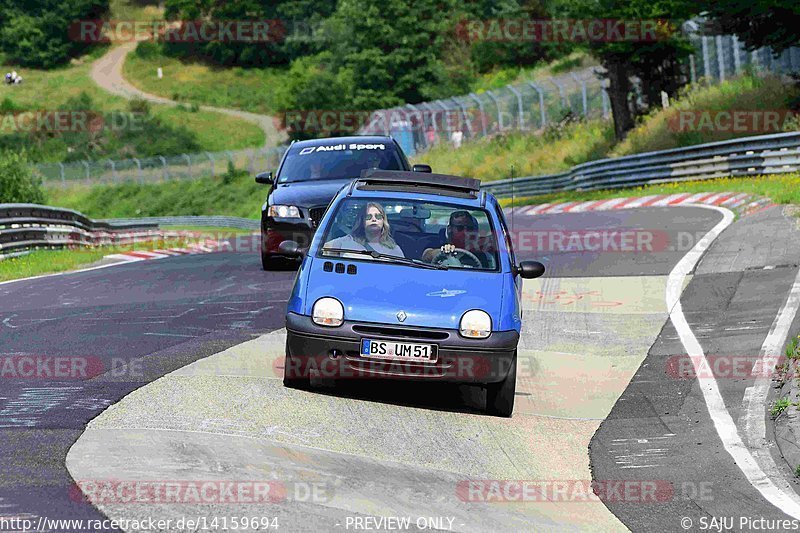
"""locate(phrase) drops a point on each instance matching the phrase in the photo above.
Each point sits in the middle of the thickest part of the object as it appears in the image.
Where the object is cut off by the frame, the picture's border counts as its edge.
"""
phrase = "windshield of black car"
(416, 230)
(337, 161)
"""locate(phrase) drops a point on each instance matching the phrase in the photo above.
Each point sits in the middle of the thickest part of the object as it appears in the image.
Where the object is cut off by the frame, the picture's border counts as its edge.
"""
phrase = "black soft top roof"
(414, 181)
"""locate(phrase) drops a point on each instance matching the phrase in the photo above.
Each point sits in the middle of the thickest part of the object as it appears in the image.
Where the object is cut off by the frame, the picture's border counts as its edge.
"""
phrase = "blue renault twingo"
(410, 276)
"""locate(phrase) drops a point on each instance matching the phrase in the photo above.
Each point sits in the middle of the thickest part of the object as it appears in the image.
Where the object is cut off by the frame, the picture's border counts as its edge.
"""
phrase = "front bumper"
(460, 360)
(274, 233)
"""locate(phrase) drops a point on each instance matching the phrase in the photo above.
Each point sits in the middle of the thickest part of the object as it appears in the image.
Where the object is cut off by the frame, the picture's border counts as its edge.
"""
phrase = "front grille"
(315, 214)
(412, 333)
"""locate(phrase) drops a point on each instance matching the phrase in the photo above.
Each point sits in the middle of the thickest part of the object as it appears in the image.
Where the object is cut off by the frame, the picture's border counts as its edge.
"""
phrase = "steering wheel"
(459, 254)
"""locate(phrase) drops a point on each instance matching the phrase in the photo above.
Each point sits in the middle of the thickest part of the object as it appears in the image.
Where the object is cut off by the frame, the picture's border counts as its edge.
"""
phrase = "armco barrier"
(748, 156)
(28, 226)
(209, 221)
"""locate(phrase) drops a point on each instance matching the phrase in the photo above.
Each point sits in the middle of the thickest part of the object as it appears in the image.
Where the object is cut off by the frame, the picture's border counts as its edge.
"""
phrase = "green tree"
(292, 35)
(36, 33)
(757, 23)
(488, 54)
(655, 62)
(391, 49)
(17, 182)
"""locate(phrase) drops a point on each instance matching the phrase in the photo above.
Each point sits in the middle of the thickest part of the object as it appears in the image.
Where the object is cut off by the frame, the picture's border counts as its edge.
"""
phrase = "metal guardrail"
(748, 156)
(28, 226)
(210, 221)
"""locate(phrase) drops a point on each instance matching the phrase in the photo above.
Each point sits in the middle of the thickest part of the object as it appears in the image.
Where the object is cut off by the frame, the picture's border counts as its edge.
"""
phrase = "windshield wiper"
(377, 255)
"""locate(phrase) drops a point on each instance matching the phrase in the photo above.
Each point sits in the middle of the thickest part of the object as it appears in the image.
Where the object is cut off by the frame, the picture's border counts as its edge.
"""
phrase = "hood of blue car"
(378, 292)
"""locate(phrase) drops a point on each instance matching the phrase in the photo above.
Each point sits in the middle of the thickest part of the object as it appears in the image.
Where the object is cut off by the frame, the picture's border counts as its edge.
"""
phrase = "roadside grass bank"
(209, 231)
(781, 189)
(258, 90)
(184, 128)
(501, 77)
(561, 147)
(250, 89)
(40, 262)
(135, 10)
(558, 149)
(232, 195)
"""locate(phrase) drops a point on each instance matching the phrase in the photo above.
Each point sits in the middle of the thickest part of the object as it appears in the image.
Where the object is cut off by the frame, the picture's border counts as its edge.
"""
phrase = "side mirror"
(265, 178)
(422, 168)
(291, 249)
(529, 269)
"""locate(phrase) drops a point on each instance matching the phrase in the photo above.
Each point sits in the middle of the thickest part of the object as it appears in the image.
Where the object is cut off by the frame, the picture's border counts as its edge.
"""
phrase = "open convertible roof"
(422, 182)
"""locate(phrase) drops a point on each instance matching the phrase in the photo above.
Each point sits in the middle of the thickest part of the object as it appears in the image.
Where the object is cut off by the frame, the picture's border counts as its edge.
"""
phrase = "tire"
(291, 381)
(500, 396)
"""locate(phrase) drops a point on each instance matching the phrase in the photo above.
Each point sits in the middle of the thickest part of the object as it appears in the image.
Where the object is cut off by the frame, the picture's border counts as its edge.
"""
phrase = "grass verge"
(246, 89)
(134, 10)
(211, 231)
(781, 189)
(40, 262)
(557, 150)
(236, 195)
(52, 89)
(502, 77)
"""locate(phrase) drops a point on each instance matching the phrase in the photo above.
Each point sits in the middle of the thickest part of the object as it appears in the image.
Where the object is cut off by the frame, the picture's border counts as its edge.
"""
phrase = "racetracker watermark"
(184, 31)
(46, 367)
(70, 121)
(64, 368)
(652, 491)
(564, 30)
(565, 490)
(204, 492)
(326, 121)
(591, 240)
(400, 362)
(723, 366)
(731, 121)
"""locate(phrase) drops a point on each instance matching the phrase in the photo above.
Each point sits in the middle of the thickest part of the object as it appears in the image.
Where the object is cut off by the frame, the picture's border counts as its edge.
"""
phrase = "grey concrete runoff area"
(185, 424)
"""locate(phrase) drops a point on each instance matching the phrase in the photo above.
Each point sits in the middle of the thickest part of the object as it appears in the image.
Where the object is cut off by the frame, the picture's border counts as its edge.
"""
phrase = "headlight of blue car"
(328, 312)
(475, 324)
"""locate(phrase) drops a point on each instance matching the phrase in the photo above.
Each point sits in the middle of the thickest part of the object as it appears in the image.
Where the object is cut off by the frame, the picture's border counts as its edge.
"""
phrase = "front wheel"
(500, 396)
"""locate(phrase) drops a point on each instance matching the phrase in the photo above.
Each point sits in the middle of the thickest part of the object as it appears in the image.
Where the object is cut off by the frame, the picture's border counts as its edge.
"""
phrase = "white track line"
(785, 501)
(755, 428)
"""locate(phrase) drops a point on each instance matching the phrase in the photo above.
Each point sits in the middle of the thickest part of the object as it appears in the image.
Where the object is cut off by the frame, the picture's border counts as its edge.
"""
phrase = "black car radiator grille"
(315, 214)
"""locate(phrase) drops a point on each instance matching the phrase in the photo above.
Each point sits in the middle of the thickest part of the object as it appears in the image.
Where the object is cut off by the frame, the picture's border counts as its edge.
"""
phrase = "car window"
(507, 236)
(338, 161)
(410, 229)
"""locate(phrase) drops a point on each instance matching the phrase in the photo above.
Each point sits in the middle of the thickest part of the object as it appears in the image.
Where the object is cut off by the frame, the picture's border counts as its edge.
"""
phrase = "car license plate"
(398, 351)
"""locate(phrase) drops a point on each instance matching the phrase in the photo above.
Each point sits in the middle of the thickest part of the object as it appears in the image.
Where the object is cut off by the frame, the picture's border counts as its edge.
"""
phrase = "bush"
(8, 106)
(17, 182)
(139, 105)
(148, 50)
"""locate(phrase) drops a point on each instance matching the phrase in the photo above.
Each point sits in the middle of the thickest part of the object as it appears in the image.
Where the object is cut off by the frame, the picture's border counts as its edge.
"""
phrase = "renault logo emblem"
(401, 316)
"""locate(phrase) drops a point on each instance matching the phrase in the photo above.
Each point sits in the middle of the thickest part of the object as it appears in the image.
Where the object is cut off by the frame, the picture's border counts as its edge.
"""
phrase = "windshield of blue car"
(439, 234)
(337, 161)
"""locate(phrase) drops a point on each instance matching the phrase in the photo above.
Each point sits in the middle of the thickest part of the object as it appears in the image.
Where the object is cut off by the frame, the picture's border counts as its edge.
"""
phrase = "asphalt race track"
(184, 359)
(133, 322)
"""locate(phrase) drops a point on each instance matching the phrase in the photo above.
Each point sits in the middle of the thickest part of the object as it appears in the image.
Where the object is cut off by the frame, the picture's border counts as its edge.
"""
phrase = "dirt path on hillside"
(107, 73)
